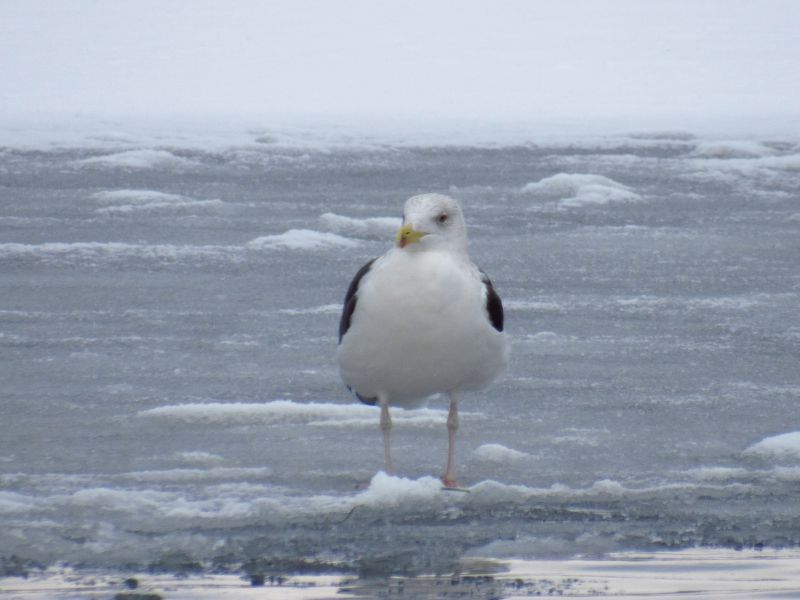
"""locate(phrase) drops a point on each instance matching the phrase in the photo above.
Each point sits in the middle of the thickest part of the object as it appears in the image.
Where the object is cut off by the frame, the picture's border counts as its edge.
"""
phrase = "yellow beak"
(408, 235)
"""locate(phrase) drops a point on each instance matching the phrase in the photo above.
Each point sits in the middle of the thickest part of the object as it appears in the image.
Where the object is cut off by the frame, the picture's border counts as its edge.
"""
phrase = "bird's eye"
(442, 219)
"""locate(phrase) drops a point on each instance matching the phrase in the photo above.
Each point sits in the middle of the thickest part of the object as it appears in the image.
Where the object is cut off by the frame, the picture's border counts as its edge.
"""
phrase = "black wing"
(350, 300)
(494, 306)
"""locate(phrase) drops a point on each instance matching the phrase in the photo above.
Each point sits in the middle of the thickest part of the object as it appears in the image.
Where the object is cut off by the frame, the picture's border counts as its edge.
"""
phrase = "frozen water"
(785, 444)
(578, 189)
(168, 327)
(301, 239)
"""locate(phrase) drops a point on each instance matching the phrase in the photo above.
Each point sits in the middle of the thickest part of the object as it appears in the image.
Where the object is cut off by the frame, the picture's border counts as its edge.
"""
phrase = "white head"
(432, 221)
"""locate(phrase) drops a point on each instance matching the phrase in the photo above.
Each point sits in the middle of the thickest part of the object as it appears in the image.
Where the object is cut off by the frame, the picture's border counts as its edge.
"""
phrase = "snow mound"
(785, 445)
(301, 239)
(284, 412)
(374, 228)
(131, 201)
(498, 453)
(580, 189)
(139, 159)
(732, 149)
(388, 490)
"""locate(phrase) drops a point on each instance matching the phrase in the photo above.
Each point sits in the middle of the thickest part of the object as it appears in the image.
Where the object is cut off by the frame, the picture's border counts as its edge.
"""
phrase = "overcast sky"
(515, 60)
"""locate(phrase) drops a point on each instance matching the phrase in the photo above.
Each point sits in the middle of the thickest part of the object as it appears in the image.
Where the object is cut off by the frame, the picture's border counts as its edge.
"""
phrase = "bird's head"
(432, 220)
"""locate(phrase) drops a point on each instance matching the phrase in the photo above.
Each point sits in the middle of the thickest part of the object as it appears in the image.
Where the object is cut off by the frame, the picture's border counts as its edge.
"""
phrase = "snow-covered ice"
(784, 445)
(578, 189)
(184, 199)
(181, 360)
(301, 239)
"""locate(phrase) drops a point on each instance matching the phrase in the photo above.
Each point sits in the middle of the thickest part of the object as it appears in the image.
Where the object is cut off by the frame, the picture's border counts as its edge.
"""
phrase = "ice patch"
(325, 309)
(134, 197)
(198, 475)
(109, 252)
(373, 228)
(499, 453)
(133, 201)
(139, 159)
(576, 189)
(199, 457)
(301, 239)
(389, 491)
(280, 412)
(11, 503)
(717, 473)
(732, 149)
(785, 445)
(528, 305)
(725, 169)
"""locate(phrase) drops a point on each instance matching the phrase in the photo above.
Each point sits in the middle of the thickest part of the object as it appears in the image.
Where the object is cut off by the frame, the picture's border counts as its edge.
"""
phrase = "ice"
(146, 158)
(388, 491)
(209, 474)
(11, 502)
(577, 189)
(199, 457)
(732, 149)
(182, 360)
(135, 197)
(93, 253)
(302, 239)
(325, 309)
(722, 168)
(498, 453)
(135, 201)
(377, 228)
(528, 305)
(785, 445)
(287, 411)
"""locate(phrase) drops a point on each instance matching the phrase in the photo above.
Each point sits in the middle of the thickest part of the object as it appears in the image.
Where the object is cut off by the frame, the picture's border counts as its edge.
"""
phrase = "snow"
(388, 491)
(120, 202)
(529, 305)
(287, 411)
(302, 239)
(135, 197)
(325, 309)
(378, 228)
(199, 457)
(574, 190)
(732, 149)
(785, 445)
(61, 253)
(498, 453)
(138, 159)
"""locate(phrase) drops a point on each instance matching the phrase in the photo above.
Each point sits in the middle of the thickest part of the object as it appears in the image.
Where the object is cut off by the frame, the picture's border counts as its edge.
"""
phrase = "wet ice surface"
(168, 328)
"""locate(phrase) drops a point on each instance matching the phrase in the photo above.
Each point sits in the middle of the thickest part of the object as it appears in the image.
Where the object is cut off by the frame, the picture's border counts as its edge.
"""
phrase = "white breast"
(420, 327)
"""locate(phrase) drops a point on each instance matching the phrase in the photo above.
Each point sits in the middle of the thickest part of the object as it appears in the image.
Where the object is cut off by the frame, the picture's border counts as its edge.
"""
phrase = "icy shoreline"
(694, 574)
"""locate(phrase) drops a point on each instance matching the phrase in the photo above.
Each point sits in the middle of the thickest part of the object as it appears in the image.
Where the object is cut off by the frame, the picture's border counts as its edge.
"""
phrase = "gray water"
(170, 399)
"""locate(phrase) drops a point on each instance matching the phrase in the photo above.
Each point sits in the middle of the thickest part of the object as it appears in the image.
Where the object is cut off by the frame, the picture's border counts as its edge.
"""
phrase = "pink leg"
(449, 478)
(386, 427)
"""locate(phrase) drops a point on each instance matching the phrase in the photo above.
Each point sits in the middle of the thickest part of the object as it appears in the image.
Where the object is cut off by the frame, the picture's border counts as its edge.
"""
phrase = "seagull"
(420, 320)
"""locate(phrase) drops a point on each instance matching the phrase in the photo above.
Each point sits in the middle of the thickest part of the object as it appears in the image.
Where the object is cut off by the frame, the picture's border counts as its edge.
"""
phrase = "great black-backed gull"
(422, 319)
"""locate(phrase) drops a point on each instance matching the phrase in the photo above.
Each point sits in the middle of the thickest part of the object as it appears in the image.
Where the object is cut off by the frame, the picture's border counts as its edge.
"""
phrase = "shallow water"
(170, 398)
